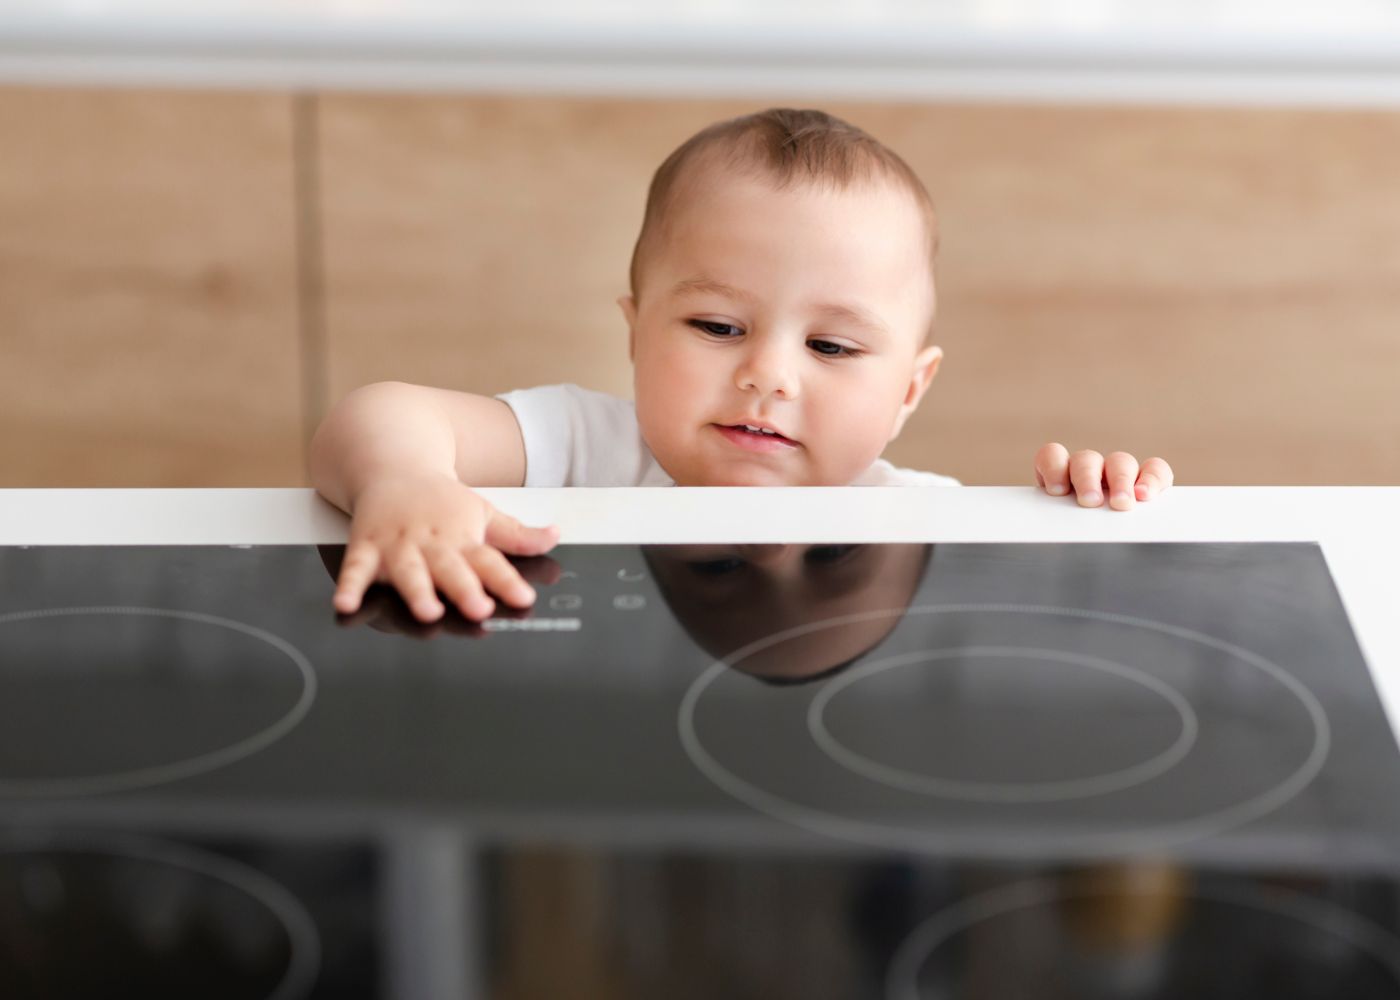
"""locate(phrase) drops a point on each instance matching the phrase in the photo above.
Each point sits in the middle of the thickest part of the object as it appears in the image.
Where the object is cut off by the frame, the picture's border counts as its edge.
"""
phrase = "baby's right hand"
(425, 533)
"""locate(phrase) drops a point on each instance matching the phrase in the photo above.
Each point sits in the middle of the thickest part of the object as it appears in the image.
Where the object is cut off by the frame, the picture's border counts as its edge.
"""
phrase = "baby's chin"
(699, 468)
(740, 476)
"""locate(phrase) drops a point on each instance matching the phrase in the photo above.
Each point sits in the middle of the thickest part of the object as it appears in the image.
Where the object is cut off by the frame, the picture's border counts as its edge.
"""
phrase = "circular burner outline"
(902, 976)
(304, 962)
(158, 774)
(1011, 792)
(833, 825)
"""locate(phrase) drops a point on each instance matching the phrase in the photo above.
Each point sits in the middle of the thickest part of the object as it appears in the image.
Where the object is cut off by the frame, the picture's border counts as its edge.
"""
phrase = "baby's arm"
(1087, 473)
(398, 459)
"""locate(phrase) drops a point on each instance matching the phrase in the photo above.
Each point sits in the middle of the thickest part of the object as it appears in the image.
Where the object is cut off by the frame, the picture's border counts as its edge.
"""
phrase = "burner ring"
(157, 774)
(826, 823)
(984, 791)
(901, 978)
(304, 963)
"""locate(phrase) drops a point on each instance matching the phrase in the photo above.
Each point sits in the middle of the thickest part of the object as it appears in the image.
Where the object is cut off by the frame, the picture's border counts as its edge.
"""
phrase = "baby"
(830, 604)
(780, 320)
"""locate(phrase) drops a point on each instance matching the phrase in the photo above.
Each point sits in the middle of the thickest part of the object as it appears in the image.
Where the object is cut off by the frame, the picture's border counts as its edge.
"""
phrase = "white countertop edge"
(672, 514)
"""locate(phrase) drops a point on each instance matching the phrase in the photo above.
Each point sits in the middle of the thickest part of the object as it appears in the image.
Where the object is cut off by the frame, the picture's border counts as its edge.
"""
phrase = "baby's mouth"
(756, 438)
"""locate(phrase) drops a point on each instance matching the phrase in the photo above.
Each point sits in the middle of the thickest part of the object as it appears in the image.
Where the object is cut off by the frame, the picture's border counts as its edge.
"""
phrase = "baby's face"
(801, 310)
(730, 596)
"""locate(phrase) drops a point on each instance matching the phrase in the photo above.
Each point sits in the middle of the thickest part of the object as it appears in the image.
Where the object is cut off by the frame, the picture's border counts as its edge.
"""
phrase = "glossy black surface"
(879, 770)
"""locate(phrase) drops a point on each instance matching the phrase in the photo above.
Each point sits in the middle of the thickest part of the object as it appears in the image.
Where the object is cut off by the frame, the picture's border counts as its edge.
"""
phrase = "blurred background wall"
(193, 269)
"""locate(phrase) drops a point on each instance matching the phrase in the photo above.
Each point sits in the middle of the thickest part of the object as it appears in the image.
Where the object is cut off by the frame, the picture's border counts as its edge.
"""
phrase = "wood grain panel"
(1218, 286)
(481, 243)
(147, 290)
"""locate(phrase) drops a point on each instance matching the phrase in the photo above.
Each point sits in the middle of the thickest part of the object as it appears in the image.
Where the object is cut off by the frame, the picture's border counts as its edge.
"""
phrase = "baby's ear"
(629, 312)
(926, 364)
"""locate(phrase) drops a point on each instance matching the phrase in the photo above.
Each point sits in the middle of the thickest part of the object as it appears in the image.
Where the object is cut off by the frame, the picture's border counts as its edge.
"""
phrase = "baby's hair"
(789, 147)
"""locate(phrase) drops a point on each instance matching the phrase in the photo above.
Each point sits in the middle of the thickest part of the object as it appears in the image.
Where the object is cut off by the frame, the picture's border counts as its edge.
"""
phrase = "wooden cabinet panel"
(148, 310)
(1218, 286)
(481, 243)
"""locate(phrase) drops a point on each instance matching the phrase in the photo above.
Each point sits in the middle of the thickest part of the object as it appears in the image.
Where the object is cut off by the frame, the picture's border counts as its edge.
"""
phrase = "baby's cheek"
(855, 435)
(662, 416)
(666, 400)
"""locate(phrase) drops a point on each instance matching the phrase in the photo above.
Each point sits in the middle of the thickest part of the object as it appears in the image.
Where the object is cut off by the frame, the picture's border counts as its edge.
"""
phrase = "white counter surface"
(1346, 52)
(1355, 526)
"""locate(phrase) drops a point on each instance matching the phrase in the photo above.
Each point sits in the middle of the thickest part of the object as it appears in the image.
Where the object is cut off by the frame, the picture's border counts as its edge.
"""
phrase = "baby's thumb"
(509, 535)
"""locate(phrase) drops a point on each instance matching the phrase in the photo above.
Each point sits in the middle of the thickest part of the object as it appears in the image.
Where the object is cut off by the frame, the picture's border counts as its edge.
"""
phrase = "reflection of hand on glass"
(728, 596)
(384, 610)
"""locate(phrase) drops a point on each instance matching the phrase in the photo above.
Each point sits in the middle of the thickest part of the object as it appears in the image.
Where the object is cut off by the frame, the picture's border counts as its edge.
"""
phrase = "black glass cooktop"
(954, 771)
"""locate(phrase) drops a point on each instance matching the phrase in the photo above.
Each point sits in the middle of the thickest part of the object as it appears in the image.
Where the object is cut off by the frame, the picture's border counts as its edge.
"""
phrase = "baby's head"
(783, 278)
(730, 597)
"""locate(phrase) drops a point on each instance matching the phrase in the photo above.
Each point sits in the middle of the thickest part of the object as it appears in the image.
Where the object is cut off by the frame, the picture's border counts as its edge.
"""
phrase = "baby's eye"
(827, 554)
(715, 329)
(716, 567)
(827, 349)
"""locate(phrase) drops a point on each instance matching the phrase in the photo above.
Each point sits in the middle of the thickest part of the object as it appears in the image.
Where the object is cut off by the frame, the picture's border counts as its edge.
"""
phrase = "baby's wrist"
(379, 475)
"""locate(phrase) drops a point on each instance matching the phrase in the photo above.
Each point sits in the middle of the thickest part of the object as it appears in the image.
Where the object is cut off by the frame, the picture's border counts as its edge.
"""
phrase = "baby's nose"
(766, 554)
(768, 370)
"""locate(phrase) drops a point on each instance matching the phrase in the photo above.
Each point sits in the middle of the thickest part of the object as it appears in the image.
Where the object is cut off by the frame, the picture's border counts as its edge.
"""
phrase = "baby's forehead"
(869, 227)
(707, 177)
(715, 205)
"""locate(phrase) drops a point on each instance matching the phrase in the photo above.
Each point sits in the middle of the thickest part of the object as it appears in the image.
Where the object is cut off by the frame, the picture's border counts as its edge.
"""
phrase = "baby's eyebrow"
(837, 310)
(708, 286)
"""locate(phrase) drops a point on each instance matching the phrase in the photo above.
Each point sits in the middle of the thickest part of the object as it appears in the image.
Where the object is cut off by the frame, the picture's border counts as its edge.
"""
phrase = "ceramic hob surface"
(964, 771)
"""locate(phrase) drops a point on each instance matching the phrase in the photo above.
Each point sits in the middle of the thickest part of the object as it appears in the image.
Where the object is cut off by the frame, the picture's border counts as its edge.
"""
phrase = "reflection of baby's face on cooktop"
(728, 596)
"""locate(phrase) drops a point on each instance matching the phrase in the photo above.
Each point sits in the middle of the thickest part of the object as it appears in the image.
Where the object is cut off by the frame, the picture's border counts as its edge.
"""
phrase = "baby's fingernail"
(1091, 497)
(1056, 490)
(526, 593)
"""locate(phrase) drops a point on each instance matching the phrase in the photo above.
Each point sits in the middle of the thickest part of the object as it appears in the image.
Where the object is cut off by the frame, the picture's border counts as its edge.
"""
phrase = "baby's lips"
(740, 424)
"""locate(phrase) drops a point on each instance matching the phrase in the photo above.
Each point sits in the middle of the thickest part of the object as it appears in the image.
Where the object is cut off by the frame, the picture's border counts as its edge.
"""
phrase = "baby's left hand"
(1088, 472)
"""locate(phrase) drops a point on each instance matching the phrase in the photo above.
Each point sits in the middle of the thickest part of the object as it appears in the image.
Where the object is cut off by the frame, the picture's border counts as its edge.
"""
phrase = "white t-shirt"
(578, 437)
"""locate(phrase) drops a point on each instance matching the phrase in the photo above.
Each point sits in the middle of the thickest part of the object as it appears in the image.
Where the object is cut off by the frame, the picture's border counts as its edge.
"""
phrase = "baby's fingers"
(460, 583)
(1121, 472)
(1156, 475)
(506, 534)
(500, 577)
(357, 572)
(1086, 475)
(1052, 469)
(408, 572)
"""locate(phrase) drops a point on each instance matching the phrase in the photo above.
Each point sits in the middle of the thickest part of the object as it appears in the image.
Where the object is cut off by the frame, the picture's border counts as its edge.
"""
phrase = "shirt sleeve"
(543, 416)
(578, 437)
